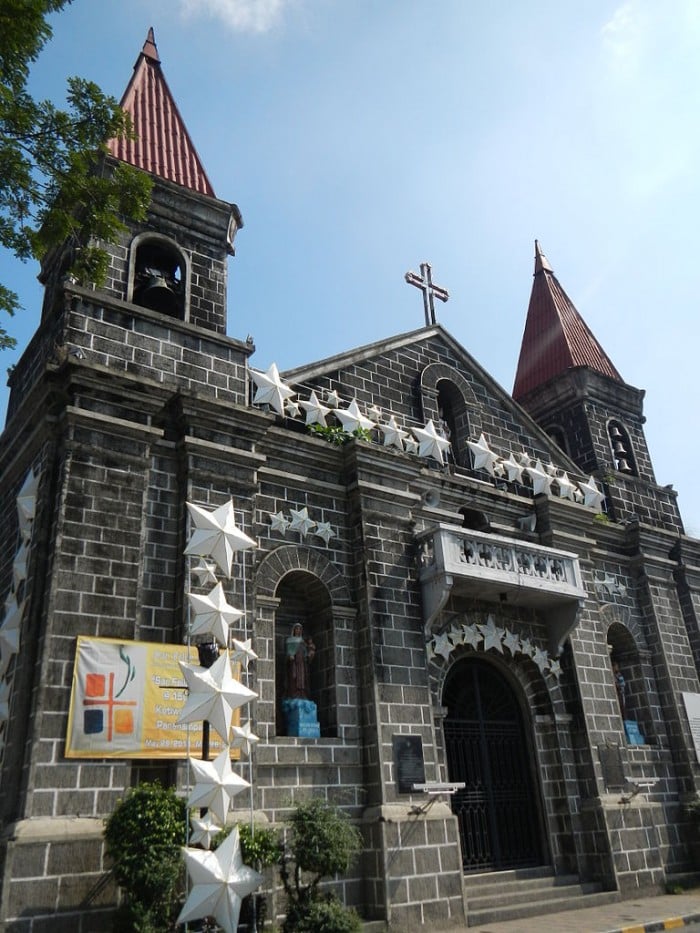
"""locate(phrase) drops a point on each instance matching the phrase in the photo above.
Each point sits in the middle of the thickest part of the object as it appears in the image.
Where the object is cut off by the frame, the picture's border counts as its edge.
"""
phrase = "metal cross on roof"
(424, 281)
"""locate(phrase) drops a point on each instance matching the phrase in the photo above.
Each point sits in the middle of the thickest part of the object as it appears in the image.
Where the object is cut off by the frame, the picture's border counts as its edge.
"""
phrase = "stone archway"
(488, 748)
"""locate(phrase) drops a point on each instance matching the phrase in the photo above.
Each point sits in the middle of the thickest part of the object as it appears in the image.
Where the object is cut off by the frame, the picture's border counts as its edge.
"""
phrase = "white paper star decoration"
(278, 522)
(324, 531)
(216, 784)
(430, 443)
(243, 652)
(511, 641)
(565, 486)
(204, 830)
(216, 535)
(442, 646)
(271, 390)
(394, 436)
(220, 881)
(244, 739)
(291, 409)
(484, 457)
(493, 636)
(301, 522)
(332, 398)
(205, 572)
(540, 479)
(352, 418)
(211, 614)
(592, 496)
(513, 469)
(315, 412)
(213, 694)
(26, 498)
(10, 627)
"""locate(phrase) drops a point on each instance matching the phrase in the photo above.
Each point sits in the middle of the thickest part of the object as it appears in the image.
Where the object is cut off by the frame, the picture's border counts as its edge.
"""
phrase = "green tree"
(54, 183)
(144, 838)
(323, 843)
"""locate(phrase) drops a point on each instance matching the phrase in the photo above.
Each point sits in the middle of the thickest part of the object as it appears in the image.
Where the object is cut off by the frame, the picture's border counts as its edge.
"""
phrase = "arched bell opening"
(158, 276)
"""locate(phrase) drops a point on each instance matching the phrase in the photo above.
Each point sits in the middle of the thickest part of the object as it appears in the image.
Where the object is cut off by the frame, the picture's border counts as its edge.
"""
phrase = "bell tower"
(569, 385)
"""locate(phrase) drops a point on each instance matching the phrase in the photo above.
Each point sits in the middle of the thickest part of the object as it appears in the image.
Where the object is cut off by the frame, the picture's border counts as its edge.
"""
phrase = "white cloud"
(625, 37)
(239, 15)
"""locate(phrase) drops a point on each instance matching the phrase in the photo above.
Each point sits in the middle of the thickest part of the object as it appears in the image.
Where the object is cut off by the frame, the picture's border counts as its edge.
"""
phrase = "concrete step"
(530, 895)
(499, 886)
(546, 905)
(489, 878)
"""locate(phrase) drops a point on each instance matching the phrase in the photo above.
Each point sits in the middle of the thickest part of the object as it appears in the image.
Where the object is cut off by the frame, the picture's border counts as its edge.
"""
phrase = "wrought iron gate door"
(486, 748)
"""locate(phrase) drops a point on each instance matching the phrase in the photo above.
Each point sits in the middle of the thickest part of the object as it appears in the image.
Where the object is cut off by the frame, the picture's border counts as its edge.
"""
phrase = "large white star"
(204, 830)
(493, 636)
(566, 487)
(484, 457)
(514, 470)
(220, 881)
(393, 434)
(430, 443)
(244, 738)
(213, 694)
(541, 659)
(301, 522)
(352, 418)
(324, 530)
(332, 398)
(213, 614)
(592, 496)
(271, 390)
(541, 480)
(315, 411)
(472, 636)
(216, 535)
(291, 409)
(216, 784)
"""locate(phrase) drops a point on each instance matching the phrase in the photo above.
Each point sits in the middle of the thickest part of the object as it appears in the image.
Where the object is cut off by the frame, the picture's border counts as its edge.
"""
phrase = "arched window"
(452, 416)
(158, 276)
(628, 677)
(304, 652)
(558, 436)
(621, 448)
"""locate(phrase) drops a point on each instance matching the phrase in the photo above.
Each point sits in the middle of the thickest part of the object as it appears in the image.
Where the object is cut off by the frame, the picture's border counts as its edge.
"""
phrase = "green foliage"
(54, 184)
(144, 836)
(323, 915)
(260, 846)
(322, 843)
(334, 433)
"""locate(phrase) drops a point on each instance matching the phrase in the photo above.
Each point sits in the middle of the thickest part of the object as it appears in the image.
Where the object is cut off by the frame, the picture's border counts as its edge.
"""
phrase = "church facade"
(502, 601)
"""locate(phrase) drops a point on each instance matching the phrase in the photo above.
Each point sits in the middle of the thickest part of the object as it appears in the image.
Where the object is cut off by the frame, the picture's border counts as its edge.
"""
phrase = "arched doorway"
(487, 748)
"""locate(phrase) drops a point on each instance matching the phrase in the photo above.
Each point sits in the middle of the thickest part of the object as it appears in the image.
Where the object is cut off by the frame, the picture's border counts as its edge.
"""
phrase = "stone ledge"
(401, 812)
(54, 829)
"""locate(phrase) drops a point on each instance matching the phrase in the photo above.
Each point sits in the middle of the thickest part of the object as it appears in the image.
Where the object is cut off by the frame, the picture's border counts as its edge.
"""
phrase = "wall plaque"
(408, 762)
(692, 709)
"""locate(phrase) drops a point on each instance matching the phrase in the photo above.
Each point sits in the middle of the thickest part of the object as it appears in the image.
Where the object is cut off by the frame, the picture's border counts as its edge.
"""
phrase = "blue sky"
(360, 138)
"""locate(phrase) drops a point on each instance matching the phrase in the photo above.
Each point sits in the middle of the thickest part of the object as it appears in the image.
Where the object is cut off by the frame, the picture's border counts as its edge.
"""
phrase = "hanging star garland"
(216, 535)
(213, 615)
(511, 641)
(513, 469)
(213, 694)
(471, 636)
(493, 636)
(270, 389)
(278, 522)
(26, 498)
(204, 830)
(540, 479)
(442, 646)
(430, 443)
(216, 784)
(565, 486)
(541, 659)
(332, 398)
(291, 409)
(220, 881)
(10, 627)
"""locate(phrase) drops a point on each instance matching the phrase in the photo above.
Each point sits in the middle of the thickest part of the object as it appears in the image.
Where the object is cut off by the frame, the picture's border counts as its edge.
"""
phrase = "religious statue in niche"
(632, 730)
(619, 687)
(300, 712)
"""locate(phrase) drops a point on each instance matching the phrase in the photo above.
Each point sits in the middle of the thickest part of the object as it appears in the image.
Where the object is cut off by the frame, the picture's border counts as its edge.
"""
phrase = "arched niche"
(446, 397)
(159, 275)
(627, 673)
(305, 601)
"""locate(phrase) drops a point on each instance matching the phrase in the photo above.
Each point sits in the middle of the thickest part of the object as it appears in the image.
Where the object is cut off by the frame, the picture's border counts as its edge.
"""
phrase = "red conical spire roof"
(556, 337)
(162, 146)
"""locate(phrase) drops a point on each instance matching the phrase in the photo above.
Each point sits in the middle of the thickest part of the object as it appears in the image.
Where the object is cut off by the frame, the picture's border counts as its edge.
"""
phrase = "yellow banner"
(126, 699)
